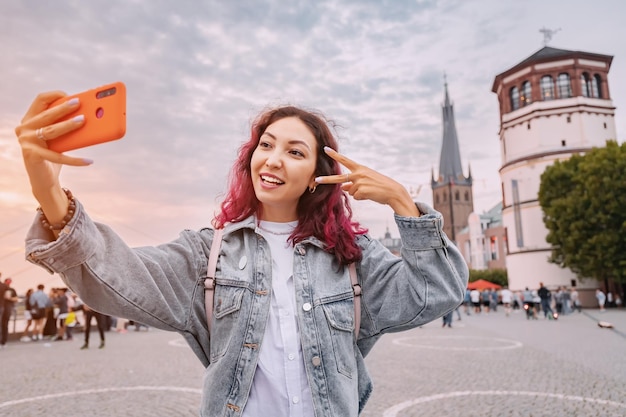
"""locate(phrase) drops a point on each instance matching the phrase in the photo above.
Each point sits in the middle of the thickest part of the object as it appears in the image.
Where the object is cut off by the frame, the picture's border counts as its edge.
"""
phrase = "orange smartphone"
(105, 118)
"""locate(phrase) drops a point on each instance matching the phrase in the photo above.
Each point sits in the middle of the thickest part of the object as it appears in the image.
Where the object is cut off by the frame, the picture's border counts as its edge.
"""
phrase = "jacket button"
(316, 361)
(301, 251)
(306, 306)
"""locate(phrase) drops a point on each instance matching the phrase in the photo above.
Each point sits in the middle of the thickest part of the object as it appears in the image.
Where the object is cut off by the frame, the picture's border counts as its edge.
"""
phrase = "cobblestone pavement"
(493, 365)
(485, 365)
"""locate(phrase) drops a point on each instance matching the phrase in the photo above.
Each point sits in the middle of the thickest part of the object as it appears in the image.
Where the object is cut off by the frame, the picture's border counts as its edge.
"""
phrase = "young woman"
(281, 340)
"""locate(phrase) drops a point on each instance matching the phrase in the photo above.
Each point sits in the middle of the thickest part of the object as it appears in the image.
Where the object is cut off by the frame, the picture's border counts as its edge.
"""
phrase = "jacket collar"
(251, 223)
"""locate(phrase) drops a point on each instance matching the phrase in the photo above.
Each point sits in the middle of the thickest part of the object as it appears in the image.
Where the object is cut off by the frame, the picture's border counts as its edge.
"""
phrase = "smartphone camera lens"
(106, 93)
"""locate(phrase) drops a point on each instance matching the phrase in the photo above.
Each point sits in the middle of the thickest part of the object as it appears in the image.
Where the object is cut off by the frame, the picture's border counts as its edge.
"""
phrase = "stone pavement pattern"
(485, 365)
(493, 365)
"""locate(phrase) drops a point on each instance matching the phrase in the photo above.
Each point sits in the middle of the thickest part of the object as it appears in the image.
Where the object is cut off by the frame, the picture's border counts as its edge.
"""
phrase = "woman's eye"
(263, 144)
(297, 153)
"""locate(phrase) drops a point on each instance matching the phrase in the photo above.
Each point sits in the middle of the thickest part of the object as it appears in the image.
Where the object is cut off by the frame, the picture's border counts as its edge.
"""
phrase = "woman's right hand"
(40, 123)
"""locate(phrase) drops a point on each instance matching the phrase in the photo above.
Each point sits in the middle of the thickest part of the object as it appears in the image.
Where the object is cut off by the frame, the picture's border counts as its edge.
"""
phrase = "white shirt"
(280, 386)
(506, 295)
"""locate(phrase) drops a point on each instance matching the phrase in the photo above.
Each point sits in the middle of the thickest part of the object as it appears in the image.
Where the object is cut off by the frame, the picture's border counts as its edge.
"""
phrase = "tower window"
(514, 95)
(444, 198)
(569, 119)
(528, 126)
(596, 86)
(466, 196)
(526, 97)
(563, 142)
(564, 85)
(605, 125)
(585, 84)
(547, 87)
(437, 198)
(457, 196)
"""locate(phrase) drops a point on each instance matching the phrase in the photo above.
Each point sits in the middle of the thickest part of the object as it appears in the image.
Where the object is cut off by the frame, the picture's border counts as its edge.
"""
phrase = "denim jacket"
(163, 286)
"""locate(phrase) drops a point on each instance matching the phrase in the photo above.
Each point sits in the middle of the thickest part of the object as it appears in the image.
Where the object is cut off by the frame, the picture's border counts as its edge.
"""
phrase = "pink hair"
(325, 214)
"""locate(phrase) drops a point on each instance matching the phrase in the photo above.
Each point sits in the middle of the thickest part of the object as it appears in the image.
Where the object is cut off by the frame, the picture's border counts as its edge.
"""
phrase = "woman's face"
(283, 167)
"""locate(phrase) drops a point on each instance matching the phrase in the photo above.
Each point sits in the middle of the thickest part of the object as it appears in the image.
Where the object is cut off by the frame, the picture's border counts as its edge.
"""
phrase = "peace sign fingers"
(343, 160)
(364, 183)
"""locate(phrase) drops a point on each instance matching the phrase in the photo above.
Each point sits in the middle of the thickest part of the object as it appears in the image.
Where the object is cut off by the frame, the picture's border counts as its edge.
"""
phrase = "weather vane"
(548, 34)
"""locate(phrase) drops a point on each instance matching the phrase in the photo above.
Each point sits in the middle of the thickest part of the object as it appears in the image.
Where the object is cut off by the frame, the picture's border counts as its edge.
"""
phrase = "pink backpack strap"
(356, 288)
(209, 282)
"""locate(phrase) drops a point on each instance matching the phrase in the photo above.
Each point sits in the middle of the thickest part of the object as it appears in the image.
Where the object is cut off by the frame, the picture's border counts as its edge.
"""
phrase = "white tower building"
(553, 104)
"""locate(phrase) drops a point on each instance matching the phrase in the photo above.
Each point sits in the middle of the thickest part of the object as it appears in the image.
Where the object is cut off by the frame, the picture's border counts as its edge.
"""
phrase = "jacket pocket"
(226, 311)
(339, 315)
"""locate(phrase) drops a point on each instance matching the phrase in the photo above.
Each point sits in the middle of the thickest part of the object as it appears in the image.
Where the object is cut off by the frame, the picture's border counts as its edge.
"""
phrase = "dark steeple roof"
(450, 160)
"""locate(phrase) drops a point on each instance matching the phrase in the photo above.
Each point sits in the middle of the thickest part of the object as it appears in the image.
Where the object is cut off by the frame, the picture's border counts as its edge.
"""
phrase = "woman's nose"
(273, 160)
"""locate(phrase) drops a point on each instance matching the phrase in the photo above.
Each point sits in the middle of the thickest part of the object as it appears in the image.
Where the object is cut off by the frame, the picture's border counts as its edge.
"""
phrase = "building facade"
(394, 244)
(452, 190)
(483, 241)
(553, 104)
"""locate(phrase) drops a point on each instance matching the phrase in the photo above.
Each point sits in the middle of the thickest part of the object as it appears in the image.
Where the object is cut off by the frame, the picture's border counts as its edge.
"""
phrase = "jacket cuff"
(74, 245)
(424, 232)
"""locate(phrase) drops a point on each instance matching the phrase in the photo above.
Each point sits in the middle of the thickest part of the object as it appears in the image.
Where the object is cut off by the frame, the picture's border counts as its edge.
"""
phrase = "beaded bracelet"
(70, 213)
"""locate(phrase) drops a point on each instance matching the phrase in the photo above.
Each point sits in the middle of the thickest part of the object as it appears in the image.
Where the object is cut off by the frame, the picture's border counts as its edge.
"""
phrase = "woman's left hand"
(364, 183)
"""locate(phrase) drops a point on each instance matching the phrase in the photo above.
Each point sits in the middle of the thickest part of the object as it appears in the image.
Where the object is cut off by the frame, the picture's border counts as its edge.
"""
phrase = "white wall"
(528, 269)
(528, 265)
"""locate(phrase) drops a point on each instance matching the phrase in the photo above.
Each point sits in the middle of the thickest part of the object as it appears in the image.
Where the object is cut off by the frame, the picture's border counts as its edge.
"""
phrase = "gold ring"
(39, 133)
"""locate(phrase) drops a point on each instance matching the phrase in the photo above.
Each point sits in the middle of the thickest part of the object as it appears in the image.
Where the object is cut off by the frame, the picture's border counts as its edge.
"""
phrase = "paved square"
(485, 365)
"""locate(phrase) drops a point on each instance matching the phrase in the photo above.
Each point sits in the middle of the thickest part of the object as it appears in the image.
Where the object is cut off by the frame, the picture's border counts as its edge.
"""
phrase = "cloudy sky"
(197, 72)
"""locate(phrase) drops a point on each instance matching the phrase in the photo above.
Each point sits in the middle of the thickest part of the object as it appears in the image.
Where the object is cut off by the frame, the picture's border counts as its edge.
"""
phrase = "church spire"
(450, 169)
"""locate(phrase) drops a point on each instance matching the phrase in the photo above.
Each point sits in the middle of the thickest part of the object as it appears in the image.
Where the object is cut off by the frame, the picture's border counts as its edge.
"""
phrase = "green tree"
(584, 209)
(497, 276)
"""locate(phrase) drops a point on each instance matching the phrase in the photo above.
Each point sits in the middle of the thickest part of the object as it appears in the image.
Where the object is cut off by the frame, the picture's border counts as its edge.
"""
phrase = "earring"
(312, 190)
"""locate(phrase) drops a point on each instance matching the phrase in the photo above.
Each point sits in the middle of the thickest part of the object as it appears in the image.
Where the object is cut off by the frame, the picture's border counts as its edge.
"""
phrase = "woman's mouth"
(271, 180)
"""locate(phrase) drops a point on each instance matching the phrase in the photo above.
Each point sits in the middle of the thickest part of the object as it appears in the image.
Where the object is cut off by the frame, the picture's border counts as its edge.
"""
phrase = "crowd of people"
(552, 303)
(55, 315)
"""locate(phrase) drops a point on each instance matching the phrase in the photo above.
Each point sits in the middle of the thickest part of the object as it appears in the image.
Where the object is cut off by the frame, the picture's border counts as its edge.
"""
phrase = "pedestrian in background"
(59, 301)
(89, 314)
(610, 303)
(27, 335)
(575, 300)
(493, 300)
(50, 324)
(9, 299)
(601, 299)
(566, 299)
(475, 297)
(447, 319)
(558, 300)
(517, 300)
(485, 297)
(3, 290)
(529, 304)
(39, 303)
(545, 296)
(467, 301)
(507, 297)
